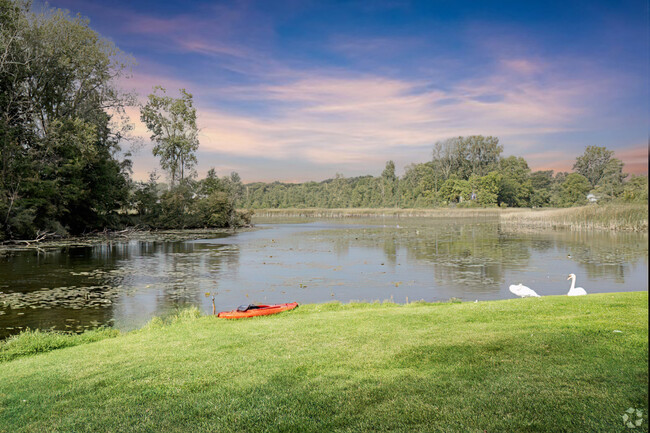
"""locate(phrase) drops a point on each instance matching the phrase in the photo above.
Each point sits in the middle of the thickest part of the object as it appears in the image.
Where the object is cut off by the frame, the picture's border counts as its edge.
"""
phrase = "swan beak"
(569, 277)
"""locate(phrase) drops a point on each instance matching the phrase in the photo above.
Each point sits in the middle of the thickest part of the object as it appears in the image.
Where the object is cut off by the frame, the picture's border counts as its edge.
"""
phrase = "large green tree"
(541, 183)
(388, 185)
(172, 123)
(515, 188)
(610, 184)
(593, 164)
(60, 124)
(574, 189)
(464, 156)
(636, 189)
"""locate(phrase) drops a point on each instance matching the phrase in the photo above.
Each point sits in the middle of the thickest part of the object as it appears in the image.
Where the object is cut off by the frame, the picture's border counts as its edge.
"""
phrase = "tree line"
(463, 171)
(63, 171)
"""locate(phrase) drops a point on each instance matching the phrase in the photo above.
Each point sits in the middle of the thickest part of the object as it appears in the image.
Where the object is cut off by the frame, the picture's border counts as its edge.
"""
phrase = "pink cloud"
(352, 121)
(635, 159)
(146, 24)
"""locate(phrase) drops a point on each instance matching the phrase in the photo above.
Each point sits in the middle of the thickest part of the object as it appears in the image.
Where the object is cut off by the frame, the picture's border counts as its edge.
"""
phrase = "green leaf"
(630, 410)
(639, 413)
(638, 422)
(625, 418)
(630, 425)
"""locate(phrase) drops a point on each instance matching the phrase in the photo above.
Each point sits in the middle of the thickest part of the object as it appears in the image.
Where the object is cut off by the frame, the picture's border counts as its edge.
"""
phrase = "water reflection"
(125, 284)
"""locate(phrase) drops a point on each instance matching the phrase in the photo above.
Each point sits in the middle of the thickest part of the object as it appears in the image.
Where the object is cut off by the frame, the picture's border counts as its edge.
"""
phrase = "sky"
(297, 90)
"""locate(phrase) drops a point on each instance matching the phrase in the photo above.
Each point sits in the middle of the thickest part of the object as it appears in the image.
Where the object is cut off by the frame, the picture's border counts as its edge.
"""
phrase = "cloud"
(351, 121)
(356, 118)
(635, 159)
(142, 83)
(346, 98)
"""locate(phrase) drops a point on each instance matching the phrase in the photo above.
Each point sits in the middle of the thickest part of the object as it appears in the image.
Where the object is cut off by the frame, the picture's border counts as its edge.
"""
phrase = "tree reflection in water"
(125, 284)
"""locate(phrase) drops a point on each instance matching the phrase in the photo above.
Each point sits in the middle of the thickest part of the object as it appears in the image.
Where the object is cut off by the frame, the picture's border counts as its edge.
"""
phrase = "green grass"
(550, 364)
(31, 342)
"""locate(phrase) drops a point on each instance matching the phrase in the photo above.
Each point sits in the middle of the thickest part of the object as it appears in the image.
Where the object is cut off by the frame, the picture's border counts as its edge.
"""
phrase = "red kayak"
(256, 310)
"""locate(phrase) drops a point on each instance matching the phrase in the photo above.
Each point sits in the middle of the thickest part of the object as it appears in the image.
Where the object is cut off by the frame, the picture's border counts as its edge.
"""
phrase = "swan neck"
(573, 283)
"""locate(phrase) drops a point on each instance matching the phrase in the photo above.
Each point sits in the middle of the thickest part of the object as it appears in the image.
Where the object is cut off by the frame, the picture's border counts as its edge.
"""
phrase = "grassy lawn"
(550, 364)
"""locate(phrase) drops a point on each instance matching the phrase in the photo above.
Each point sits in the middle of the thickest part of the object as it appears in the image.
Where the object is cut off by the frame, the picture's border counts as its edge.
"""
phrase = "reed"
(622, 217)
(619, 217)
(382, 212)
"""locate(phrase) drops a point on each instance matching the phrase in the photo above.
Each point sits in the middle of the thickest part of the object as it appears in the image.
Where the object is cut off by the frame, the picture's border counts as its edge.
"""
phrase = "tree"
(515, 188)
(146, 202)
(592, 163)
(419, 185)
(486, 188)
(542, 184)
(610, 184)
(388, 185)
(636, 189)
(443, 157)
(574, 190)
(210, 184)
(60, 113)
(172, 123)
(484, 153)
(455, 190)
(464, 156)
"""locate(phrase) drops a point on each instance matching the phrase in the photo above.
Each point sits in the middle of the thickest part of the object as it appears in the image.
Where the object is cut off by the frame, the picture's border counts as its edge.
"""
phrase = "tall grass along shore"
(381, 212)
(623, 217)
(551, 364)
(628, 217)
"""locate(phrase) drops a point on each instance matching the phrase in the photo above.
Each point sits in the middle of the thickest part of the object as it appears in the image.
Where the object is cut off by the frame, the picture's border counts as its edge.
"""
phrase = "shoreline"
(356, 367)
(611, 217)
(614, 218)
(120, 236)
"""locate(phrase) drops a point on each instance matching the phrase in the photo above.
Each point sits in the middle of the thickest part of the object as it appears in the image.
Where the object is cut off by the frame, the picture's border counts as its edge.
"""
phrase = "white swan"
(575, 291)
(523, 291)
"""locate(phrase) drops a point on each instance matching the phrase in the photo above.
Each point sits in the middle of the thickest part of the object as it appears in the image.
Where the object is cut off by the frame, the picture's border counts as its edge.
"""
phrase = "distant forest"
(63, 170)
(465, 172)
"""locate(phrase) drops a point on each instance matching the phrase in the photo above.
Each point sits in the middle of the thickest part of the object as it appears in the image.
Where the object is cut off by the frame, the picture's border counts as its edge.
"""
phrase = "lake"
(125, 284)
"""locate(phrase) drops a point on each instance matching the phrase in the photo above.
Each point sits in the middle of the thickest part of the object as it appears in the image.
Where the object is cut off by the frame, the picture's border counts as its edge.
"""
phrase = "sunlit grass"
(631, 217)
(381, 212)
(545, 364)
(31, 342)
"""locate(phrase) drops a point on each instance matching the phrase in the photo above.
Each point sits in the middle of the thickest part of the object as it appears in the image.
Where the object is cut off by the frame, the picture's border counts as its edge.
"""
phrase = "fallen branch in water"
(40, 236)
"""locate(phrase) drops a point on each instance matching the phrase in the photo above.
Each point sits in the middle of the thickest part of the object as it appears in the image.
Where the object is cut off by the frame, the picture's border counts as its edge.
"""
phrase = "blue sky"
(301, 90)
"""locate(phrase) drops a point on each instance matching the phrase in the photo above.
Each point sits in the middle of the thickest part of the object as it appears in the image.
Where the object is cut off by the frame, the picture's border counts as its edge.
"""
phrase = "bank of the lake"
(110, 237)
(614, 217)
(546, 364)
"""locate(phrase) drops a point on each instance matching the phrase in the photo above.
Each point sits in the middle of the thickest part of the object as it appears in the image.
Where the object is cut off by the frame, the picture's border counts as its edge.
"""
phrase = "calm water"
(125, 284)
